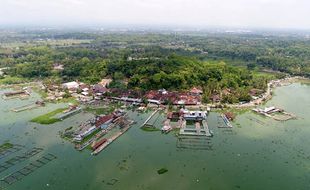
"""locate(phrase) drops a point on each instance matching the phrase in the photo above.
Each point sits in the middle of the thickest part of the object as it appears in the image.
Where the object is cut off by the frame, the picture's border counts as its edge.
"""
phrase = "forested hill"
(177, 73)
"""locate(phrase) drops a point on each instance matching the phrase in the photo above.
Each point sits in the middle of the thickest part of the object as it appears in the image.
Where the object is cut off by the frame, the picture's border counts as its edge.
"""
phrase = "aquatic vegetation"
(5, 146)
(162, 171)
(149, 129)
(68, 129)
(49, 117)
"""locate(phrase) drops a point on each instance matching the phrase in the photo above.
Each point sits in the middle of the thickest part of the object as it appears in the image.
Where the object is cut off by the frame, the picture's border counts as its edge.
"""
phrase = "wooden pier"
(226, 121)
(149, 118)
(69, 113)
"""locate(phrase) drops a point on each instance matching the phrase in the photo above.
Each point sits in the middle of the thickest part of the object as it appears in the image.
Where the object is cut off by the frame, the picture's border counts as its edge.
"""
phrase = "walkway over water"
(68, 114)
(149, 118)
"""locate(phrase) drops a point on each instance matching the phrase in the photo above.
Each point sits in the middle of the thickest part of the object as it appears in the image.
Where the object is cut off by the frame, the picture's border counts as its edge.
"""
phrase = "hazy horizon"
(271, 14)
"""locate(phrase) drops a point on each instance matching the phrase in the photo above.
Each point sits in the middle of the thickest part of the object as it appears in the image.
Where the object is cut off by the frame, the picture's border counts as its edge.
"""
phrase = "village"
(184, 111)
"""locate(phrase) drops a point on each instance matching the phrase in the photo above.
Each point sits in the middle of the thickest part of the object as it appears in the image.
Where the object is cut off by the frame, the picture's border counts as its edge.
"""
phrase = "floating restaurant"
(275, 113)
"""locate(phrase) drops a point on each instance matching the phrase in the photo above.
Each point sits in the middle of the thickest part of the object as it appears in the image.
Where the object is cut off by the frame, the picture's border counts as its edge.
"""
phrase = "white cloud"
(252, 13)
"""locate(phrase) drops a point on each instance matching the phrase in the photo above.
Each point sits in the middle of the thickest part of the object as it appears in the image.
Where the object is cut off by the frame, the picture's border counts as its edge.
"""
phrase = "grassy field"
(48, 118)
(269, 76)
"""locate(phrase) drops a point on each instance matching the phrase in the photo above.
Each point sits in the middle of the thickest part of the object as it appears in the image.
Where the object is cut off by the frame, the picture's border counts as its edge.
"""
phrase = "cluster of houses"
(81, 91)
(192, 97)
(158, 97)
(85, 93)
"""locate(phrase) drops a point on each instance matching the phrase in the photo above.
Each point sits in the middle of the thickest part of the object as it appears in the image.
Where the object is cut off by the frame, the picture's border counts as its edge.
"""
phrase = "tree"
(251, 66)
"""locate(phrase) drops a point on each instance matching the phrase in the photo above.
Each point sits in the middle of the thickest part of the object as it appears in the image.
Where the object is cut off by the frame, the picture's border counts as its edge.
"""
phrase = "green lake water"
(253, 155)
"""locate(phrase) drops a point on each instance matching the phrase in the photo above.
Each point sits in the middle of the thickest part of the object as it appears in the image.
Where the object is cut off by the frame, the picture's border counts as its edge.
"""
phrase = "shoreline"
(268, 94)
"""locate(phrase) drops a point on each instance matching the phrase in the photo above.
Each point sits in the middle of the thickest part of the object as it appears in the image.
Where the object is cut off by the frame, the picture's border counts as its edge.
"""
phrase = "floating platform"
(275, 113)
(197, 131)
(29, 107)
(22, 94)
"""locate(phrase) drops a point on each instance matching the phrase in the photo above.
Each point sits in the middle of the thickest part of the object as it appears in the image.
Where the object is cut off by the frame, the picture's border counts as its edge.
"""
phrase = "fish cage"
(194, 143)
(25, 171)
(20, 158)
(4, 152)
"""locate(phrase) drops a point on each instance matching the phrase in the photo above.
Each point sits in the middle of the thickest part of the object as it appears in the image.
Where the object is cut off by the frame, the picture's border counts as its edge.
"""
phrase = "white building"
(195, 115)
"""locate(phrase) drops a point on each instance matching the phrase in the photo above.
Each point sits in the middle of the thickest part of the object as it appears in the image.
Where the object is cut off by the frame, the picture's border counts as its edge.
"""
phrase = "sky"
(288, 14)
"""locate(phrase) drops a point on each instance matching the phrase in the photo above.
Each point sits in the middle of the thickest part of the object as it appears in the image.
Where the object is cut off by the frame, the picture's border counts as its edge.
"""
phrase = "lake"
(258, 153)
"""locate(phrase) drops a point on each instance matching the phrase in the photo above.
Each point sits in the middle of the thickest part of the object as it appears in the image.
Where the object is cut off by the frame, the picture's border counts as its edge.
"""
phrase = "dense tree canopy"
(147, 61)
